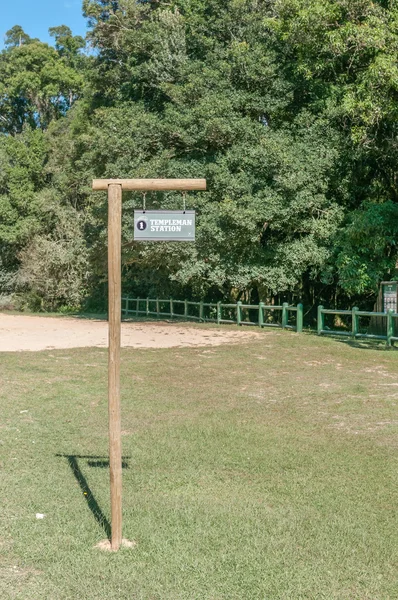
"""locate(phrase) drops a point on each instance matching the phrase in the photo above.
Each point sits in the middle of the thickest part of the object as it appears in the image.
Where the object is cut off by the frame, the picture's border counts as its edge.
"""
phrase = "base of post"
(106, 545)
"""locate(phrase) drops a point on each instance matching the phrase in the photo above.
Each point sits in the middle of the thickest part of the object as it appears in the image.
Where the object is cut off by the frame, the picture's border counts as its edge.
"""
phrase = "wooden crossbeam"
(148, 185)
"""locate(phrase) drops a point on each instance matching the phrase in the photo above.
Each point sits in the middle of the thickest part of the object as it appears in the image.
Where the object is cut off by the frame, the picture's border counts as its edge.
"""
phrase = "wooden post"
(320, 320)
(299, 318)
(261, 314)
(354, 328)
(390, 326)
(238, 313)
(115, 188)
(285, 315)
(201, 309)
(115, 292)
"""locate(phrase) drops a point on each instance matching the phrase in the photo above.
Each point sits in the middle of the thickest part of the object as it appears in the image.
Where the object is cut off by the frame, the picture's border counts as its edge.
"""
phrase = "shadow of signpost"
(92, 461)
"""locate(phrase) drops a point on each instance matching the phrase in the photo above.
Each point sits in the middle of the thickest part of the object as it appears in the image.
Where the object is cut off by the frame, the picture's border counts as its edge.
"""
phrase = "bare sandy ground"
(20, 332)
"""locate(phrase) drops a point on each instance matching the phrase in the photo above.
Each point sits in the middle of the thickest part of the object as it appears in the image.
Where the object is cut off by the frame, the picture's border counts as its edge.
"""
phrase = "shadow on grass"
(359, 343)
(92, 461)
(364, 344)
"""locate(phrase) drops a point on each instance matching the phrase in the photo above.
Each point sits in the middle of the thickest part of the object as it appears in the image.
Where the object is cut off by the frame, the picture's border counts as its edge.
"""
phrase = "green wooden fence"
(354, 316)
(261, 315)
(284, 316)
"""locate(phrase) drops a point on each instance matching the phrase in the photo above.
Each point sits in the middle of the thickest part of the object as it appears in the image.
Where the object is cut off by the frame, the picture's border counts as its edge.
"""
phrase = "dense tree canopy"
(287, 107)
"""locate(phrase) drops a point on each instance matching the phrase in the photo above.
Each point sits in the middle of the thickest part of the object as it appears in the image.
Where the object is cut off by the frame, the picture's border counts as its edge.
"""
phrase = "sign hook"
(184, 197)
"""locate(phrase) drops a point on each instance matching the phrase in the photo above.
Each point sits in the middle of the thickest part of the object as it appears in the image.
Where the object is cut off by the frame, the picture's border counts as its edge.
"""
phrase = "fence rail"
(283, 316)
(354, 314)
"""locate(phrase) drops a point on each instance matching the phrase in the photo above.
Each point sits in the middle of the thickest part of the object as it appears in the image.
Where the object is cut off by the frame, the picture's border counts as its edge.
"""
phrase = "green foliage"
(54, 268)
(65, 43)
(16, 36)
(368, 251)
(289, 109)
(270, 215)
(37, 84)
(22, 177)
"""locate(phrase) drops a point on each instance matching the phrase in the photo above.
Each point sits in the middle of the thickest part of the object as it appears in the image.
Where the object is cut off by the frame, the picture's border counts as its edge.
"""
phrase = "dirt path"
(20, 332)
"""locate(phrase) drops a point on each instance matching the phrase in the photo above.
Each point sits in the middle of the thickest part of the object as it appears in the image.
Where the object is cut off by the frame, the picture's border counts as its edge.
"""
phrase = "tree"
(214, 104)
(22, 179)
(344, 54)
(288, 108)
(16, 37)
(68, 46)
(54, 267)
(36, 86)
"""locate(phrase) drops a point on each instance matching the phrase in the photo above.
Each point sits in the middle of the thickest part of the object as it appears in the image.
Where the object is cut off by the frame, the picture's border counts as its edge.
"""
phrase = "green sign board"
(164, 225)
(390, 291)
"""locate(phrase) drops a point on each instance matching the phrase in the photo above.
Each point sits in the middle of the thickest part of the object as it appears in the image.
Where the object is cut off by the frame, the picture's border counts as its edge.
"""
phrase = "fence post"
(299, 318)
(390, 326)
(354, 321)
(218, 313)
(239, 313)
(137, 307)
(201, 311)
(285, 314)
(171, 307)
(186, 309)
(147, 306)
(157, 307)
(320, 320)
(261, 314)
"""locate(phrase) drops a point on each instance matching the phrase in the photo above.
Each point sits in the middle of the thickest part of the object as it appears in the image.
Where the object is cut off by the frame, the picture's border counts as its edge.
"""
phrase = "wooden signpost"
(115, 188)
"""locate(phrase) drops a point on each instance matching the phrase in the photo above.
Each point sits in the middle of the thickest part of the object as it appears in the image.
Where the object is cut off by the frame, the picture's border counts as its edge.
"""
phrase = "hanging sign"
(390, 292)
(164, 225)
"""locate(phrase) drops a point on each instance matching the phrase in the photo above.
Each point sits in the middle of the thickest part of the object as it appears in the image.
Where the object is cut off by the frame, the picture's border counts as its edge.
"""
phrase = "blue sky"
(36, 16)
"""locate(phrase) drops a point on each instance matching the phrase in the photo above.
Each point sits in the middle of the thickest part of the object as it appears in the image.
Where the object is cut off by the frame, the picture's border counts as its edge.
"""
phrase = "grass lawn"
(260, 471)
